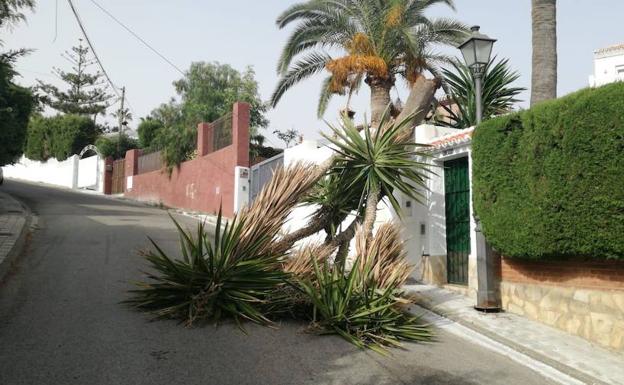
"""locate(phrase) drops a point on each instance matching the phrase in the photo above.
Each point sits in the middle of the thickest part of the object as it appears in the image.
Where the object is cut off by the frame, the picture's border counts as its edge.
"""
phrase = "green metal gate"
(457, 200)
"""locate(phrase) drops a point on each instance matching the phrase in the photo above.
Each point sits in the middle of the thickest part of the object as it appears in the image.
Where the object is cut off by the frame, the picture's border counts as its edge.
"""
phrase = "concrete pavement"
(61, 321)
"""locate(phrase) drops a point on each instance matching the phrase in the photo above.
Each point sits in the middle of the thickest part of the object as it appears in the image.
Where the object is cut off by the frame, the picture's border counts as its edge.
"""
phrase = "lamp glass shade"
(477, 49)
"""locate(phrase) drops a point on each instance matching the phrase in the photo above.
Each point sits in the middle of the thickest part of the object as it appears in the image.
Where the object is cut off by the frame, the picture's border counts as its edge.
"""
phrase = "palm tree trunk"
(544, 67)
(380, 98)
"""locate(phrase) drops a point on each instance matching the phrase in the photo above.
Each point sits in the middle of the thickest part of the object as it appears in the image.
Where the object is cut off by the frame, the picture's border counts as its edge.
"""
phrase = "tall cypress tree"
(86, 92)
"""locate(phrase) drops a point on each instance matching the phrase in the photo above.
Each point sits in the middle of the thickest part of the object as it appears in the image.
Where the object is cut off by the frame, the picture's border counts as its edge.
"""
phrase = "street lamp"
(477, 51)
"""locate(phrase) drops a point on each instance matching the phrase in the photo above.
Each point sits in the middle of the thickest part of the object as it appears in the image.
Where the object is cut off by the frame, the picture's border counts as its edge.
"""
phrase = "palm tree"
(498, 95)
(379, 40)
(544, 75)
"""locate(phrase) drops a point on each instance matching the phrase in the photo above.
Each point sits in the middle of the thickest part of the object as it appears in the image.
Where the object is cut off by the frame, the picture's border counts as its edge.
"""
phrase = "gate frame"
(98, 178)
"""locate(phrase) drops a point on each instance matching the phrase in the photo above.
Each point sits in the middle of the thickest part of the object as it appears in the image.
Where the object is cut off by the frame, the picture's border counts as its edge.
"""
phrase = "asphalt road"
(61, 321)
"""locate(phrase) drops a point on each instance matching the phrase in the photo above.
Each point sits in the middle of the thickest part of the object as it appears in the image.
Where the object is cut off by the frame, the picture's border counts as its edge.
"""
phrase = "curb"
(570, 371)
(18, 246)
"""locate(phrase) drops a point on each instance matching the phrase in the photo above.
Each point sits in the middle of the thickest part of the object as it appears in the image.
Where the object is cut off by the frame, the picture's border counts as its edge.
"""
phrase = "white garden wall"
(73, 172)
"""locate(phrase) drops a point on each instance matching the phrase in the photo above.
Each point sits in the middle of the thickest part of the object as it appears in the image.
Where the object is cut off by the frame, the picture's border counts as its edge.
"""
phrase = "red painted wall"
(205, 183)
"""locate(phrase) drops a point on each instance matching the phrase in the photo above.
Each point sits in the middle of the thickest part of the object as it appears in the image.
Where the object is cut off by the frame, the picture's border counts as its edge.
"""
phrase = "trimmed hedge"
(59, 136)
(549, 182)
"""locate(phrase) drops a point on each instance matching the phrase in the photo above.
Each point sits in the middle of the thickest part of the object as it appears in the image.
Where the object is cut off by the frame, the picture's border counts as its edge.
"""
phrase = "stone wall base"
(596, 315)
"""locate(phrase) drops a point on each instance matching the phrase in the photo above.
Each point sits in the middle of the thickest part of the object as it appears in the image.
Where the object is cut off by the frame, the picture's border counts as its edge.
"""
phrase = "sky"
(243, 33)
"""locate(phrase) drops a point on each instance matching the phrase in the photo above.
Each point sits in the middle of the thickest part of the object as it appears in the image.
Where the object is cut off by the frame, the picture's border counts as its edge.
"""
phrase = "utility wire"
(97, 58)
(138, 37)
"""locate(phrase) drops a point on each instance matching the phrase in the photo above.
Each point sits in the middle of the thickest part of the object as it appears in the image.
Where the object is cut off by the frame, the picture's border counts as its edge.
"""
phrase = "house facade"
(608, 66)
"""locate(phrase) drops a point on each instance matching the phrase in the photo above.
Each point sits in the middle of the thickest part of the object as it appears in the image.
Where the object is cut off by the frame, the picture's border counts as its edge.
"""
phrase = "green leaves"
(383, 160)
(397, 32)
(212, 280)
(351, 305)
(548, 181)
(498, 95)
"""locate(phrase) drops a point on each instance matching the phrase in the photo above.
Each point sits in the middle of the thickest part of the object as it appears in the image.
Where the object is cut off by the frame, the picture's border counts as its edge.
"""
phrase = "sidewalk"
(14, 221)
(568, 354)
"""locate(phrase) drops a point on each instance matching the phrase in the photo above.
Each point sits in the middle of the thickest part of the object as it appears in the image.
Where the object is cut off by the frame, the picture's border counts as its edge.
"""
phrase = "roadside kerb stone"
(14, 225)
(569, 354)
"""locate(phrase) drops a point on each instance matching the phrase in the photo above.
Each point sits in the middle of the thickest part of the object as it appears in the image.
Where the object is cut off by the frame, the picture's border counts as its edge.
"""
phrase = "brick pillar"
(240, 133)
(132, 162)
(108, 175)
(205, 139)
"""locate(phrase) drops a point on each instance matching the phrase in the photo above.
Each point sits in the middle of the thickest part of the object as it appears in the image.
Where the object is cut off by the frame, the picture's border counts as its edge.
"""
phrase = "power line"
(97, 58)
(138, 37)
(84, 33)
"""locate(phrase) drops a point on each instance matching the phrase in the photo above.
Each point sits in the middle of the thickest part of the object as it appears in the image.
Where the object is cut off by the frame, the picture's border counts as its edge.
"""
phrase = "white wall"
(608, 66)
(71, 173)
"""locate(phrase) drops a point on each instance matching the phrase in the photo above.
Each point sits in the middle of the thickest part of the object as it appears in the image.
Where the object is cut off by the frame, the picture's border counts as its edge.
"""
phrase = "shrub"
(115, 146)
(59, 136)
(548, 182)
(148, 130)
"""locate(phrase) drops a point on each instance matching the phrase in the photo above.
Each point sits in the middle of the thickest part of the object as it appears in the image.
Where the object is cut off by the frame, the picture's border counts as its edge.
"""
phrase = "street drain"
(5, 234)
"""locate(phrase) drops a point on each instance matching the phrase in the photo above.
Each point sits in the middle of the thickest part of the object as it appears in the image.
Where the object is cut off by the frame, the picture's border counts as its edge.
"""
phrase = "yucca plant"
(356, 308)
(210, 281)
(379, 163)
(239, 272)
(498, 94)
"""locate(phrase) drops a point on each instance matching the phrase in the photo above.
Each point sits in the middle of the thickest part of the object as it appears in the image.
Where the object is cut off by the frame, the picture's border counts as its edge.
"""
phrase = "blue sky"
(243, 33)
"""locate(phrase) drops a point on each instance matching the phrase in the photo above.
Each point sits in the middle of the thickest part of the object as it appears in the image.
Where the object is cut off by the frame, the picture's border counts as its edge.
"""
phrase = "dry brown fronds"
(384, 254)
(301, 261)
(267, 214)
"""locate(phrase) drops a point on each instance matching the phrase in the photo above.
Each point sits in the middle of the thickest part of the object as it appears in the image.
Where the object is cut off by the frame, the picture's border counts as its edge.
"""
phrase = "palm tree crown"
(378, 39)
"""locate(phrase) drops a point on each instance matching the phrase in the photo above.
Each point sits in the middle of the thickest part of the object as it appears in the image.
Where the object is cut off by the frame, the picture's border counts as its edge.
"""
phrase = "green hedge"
(549, 182)
(59, 136)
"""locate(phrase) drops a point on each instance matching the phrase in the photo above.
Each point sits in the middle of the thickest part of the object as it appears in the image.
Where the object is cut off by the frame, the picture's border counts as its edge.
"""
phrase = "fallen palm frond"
(210, 281)
(384, 255)
(235, 275)
(300, 264)
(364, 314)
(269, 211)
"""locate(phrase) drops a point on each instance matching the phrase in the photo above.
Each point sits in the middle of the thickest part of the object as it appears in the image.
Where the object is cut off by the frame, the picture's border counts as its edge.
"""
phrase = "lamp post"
(477, 50)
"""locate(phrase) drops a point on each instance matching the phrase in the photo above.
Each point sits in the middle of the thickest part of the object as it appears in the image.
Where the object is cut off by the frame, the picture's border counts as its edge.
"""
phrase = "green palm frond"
(498, 94)
(351, 305)
(304, 68)
(379, 161)
(398, 32)
(211, 280)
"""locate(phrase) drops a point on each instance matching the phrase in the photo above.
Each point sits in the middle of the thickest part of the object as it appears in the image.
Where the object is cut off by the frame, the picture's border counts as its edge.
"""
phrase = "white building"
(608, 66)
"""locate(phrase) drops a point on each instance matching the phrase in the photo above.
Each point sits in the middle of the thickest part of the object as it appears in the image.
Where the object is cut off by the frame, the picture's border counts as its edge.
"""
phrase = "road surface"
(61, 321)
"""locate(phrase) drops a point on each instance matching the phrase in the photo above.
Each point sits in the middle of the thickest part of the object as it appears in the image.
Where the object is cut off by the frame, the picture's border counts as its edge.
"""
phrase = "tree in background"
(206, 93)
(287, 136)
(86, 93)
(11, 11)
(544, 66)
(498, 95)
(148, 130)
(122, 117)
(116, 145)
(379, 40)
(16, 103)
